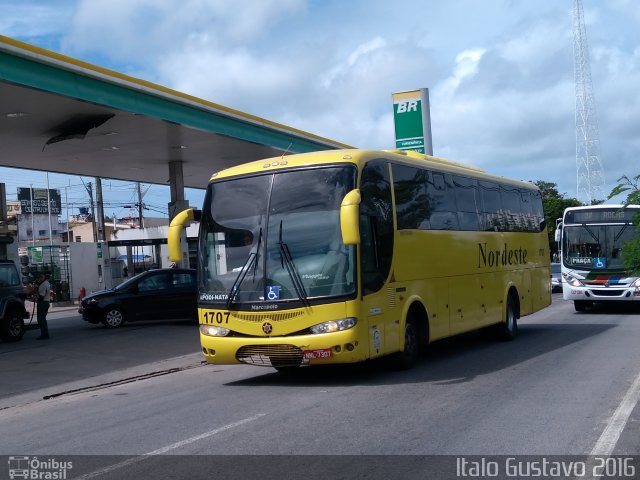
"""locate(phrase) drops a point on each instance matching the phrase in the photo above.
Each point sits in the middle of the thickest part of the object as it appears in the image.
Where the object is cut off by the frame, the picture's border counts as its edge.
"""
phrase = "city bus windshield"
(276, 237)
(596, 247)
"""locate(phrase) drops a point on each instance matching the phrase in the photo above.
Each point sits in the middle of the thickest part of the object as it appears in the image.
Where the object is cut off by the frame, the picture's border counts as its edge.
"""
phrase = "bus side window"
(376, 225)
(467, 200)
(444, 215)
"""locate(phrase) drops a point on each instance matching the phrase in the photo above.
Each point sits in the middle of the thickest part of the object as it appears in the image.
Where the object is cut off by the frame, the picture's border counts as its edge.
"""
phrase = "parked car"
(556, 278)
(152, 295)
(12, 295)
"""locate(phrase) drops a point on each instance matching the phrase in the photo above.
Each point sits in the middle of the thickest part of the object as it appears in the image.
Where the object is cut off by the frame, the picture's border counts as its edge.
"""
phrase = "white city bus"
(591, 247)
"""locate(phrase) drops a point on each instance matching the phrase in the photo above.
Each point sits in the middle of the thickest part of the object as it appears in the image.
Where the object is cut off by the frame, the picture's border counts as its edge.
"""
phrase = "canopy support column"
(178, 204)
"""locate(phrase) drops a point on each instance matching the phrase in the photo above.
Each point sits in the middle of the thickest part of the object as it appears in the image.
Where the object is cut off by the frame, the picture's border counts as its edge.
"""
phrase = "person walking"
(44, 295)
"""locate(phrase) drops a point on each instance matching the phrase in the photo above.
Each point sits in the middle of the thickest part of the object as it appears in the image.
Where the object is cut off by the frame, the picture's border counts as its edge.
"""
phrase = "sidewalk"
(55, 307)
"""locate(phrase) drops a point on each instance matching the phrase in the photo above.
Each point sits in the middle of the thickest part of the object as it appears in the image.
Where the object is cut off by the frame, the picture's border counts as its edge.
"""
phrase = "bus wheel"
(580, 305)
(509, 328)
(407, 358)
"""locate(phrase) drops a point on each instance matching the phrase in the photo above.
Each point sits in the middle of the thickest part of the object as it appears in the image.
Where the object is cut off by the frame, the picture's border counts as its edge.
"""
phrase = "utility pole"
(101, 232)
(590, 175)
(140, 220)
(49, 213)
(89, 188)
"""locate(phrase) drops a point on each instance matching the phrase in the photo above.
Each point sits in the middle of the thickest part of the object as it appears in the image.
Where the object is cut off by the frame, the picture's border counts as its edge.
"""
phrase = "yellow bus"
(346, 255)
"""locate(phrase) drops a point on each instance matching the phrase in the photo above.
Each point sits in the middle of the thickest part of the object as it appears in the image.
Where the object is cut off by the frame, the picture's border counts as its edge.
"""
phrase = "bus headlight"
(334, 325)
(573, 281)
(214, 331)
(636, 283)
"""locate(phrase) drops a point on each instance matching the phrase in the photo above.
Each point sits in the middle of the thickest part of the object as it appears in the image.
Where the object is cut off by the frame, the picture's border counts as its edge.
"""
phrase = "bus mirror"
(558, 233)
(349, 218)
(175, 231)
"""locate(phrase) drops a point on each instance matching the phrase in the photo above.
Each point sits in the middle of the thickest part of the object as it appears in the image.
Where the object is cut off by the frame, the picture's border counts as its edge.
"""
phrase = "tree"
(554, 204)
(631, 249)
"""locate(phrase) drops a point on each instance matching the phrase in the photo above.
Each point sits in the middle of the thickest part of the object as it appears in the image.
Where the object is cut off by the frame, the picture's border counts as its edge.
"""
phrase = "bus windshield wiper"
(250, 262)
(619, 234)
(286, 259)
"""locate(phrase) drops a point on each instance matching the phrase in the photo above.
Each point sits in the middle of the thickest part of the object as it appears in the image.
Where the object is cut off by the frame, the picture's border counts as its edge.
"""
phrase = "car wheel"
(12, 326)
(113, 317)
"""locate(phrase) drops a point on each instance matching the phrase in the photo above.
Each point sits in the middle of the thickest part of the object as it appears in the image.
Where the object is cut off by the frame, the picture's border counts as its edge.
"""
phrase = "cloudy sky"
(500, 72)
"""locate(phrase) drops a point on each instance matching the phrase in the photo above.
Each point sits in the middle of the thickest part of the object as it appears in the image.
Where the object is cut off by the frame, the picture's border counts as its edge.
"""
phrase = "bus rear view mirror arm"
(180, 221)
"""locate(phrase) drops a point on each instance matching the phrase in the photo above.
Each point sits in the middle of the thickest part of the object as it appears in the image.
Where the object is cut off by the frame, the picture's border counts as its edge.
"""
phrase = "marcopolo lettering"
(501, 257)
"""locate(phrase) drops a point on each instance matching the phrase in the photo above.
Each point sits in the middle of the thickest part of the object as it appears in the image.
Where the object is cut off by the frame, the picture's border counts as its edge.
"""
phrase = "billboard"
(13, 209)
(412, 120)
(40, 199)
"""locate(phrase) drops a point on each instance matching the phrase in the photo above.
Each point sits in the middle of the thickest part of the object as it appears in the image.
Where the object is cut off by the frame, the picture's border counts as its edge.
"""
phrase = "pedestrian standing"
(44, 295)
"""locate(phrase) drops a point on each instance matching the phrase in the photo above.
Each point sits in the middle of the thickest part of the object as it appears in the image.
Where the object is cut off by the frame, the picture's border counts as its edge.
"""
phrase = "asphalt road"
(568, 385)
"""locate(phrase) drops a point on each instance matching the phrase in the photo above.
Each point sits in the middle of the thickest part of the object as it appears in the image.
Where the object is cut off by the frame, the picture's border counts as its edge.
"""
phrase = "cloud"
(33, 21)
(500, 73)
(142, 31)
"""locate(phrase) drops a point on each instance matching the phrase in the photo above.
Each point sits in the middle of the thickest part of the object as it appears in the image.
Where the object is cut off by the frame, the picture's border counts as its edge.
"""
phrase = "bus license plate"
(313, 354)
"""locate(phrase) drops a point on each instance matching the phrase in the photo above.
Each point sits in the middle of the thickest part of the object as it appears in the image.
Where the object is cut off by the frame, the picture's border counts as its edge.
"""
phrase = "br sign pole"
(412, 119)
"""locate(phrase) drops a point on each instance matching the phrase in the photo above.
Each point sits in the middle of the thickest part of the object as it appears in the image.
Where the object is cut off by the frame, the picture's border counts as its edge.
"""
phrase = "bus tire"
(580, 305)
(408, 356)
(508, 330)
(113, 317)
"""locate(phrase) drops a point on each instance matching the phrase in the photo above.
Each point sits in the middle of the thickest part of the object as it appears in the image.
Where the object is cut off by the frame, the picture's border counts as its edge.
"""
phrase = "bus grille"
(270, 355)
(266, 317)
(391, 295)
(607, 293)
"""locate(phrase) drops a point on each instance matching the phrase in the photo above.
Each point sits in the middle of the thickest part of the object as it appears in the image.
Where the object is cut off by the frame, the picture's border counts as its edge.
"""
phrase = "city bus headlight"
(573, 281)
(334, 325)
(636, 283)
(214, 331)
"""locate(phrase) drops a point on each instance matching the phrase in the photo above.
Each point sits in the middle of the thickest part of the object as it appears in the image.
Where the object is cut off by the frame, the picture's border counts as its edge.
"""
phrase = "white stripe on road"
(168, 448)
(615, 426)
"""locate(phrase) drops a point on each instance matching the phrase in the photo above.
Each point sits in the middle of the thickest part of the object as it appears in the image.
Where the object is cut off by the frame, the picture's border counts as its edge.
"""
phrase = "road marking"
(611, 434)
(168, 448)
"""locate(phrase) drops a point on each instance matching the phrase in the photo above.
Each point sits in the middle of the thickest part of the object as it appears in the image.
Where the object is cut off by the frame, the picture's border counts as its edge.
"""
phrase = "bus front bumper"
(601, 294)
(286, 351)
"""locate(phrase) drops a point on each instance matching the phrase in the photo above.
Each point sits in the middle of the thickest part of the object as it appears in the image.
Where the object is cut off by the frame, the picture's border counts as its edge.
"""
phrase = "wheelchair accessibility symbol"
(600, 262)
(272, 293)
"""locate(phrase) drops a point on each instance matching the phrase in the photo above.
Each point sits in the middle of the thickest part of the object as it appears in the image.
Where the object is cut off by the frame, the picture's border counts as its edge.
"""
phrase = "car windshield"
(555, 269)
(590, 247)
(276, 237)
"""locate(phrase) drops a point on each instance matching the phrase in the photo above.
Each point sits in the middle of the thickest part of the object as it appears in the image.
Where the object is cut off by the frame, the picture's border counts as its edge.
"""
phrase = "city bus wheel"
(407, 358)
(113, 317)
(509, 328)
(580, 305)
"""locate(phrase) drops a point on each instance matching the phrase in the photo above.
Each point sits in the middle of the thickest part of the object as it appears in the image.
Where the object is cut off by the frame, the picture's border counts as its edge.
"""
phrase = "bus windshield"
(591, 247)
(276, 237)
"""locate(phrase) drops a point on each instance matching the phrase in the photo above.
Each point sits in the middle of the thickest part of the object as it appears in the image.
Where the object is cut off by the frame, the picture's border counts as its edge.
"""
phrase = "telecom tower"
(589, 168)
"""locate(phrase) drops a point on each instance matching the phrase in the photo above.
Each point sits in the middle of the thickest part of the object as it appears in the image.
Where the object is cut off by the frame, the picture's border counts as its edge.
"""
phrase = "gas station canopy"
(63, 115)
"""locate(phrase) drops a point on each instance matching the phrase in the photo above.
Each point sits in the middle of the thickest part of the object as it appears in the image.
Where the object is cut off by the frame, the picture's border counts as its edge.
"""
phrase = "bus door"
(376, 254)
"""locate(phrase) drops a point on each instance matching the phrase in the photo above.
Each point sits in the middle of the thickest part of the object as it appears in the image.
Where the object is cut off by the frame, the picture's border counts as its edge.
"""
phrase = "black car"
(153, 295)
